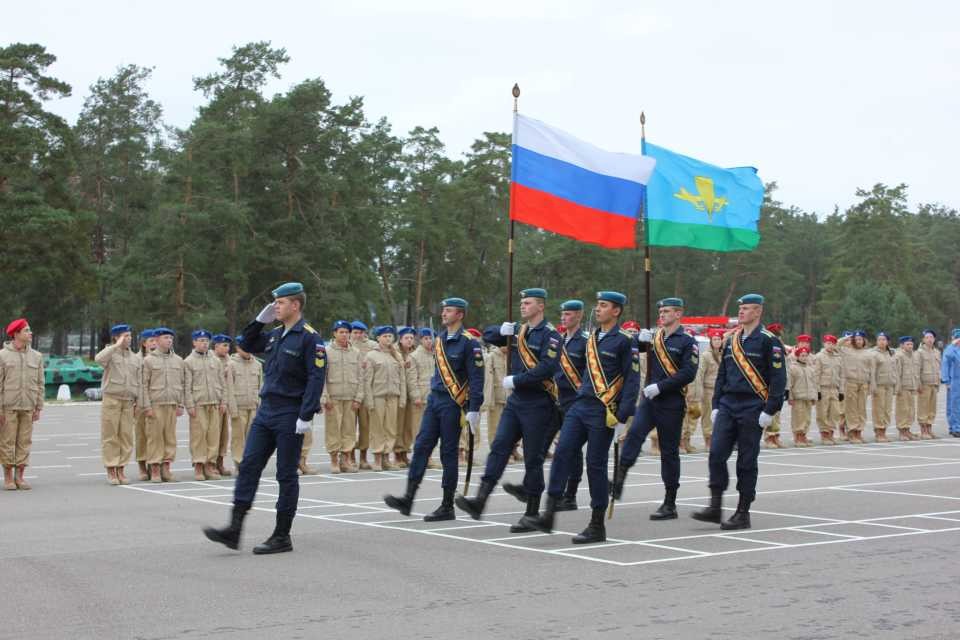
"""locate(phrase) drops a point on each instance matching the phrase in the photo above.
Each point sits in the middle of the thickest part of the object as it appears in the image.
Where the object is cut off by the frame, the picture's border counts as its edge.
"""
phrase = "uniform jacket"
(122, 374)
(829, 369)
(419, 373)
(884, 373)
(344, 380)
(906, 371)
(385, 376)
(619, 356)
(245, 377)
(803, 380)
(684, 351)
(576, 347)
(495, 372)
(203, 380)
(857, 365)
(929, 365)
(544, 342)
(710, 360)
(465, 356)
(163, 375)
(765, 351)
(21, 379)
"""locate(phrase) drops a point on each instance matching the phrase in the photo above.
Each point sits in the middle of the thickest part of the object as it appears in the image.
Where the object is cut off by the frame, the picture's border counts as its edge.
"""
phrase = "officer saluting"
(749, 392)
(292, 383)
(675, 362)
(455, 389)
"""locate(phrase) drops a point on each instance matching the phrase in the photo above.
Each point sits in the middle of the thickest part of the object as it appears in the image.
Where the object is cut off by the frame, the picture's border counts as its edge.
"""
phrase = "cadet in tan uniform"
(122, 376)
(882, 390)
(385, 391)
(148, 342)
(364, 344)
(21, 400)
(422, 365)
(772, 434)
(802, 394)
(694, 410)
(906, 366)
(858, 374)
(494, 395)
(929, 357)
(204, 399)
(163, 398)
(710, 361)
(341, 399)
(244, 380)
(407, 343)
(828, 366)
(221, 349)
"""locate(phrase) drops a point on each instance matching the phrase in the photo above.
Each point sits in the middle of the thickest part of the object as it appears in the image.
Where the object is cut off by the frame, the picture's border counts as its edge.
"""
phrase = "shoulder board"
(767, 333)
(625, 333)
(584, 334)
(309, 328)
(551, 327)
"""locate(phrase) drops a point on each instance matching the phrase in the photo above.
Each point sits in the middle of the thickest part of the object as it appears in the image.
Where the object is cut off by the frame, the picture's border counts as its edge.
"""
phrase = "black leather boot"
(741, 517)
(533, 508)
(713, 513)
(279, 541)
(667, 510)
(543, 522)
(230, 534)
(619, 478)
(444, 511)
(403, 503)
(596, 531)
(568, 501)
(516, 490)
(475, 506)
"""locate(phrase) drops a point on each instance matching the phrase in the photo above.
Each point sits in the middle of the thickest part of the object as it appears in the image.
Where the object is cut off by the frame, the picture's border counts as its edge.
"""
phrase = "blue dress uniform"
(442, 417)
(586, 422)
(739, 403)
(293, 376)
(574, 350)
(664, 412)
(527, 416)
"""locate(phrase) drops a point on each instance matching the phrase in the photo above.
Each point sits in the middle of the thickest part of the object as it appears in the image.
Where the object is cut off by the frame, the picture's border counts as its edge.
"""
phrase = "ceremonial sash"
(569, 370)
(663, 357)
(530, 360)
(605, 391)
(457, 390)
(746, 367)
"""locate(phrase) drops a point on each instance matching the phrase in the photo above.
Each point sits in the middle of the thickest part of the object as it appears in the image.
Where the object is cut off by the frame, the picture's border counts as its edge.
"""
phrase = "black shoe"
(667, 510)
(713, 513)
(404, 503)
(229, 535)
(595, 531)
(619, 478)
(740, 518)
(542, 523)
(279, 541)
(567, 502)
(533, 508)
(516, 490)
(444, 511)
(474, 506)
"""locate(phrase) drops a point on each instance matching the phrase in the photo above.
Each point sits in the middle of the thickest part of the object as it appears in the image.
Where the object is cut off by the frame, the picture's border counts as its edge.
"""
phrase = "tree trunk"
(418, 297)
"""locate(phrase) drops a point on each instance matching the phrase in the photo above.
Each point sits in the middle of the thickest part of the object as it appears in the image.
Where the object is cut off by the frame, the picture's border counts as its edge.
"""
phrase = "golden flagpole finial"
(643, 125)
(516, 95)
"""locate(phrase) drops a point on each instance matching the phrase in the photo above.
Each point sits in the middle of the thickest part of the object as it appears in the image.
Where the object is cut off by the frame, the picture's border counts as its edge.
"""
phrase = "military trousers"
(16, 437)
(116, 431)
(140, 435)
(737, 423)
(271, 432)
(667, 416)
(240, 426)
(162, 434)
(906, 409)
(881, 403)
(440, 423)
(584, 423)
(828, 409)
(205, 434)
(383, 423)
(340, 427)
(855, 405)
(800, 413)
(525, 420)
(927, 403)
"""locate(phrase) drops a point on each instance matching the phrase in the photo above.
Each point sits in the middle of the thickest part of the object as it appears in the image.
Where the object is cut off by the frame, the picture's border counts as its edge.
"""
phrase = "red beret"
(16, 326)
(715, 332)
(775, 327)
(630, 324)
(474, 332)
(829, 338)
(803, 337)
(800, 350)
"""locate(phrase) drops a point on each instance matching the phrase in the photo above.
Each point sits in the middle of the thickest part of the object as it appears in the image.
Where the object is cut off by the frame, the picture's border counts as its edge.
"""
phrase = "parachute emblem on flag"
(705, 198)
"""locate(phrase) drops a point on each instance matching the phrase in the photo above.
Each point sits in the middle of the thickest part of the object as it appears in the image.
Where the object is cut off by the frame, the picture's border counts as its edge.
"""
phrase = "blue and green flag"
(695, 204)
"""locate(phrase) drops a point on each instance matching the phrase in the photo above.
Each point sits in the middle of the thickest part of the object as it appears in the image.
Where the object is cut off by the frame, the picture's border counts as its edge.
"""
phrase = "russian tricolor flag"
(570, 187)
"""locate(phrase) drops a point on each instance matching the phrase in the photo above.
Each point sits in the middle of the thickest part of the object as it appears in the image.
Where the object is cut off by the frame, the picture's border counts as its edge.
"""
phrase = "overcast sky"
(821, 96)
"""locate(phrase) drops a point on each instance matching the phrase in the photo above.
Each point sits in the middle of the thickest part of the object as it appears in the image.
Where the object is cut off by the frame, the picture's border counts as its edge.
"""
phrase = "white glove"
(618, 431)
(507, 329)
(645, 335)
(651, 391)
(765, 420)
(713, 415)
(303, 426)
(268, 314)
(473, 420)
(508, 383)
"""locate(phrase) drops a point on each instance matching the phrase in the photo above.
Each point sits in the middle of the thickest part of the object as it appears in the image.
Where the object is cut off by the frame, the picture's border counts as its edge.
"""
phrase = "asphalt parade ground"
(850, 541)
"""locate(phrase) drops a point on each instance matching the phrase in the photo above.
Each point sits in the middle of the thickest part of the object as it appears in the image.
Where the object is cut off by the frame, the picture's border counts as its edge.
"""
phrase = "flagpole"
(516, 96)
(647, 265)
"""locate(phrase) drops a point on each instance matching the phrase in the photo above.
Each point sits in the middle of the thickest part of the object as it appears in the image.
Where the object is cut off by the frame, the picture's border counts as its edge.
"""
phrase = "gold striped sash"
(530, 360)
(746, 366)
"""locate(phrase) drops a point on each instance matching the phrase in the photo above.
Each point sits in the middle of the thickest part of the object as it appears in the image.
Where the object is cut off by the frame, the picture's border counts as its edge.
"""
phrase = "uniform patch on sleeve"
(320, 357)
(635, 356)
(478, 356)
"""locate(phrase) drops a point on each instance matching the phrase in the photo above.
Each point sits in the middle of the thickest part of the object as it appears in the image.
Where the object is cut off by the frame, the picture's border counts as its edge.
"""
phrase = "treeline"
(119, 217)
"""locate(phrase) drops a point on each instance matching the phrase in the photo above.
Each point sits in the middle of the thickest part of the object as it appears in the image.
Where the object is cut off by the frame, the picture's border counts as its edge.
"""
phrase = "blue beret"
(163, 331)
(356, 325)
(612, 296)
(930, 331)
(221, 337)
(670, 302)
(288, 289)
(572, 305)
(859, 333)
(846, 334)
(955, 334)
(751, 298)
(906, 339)
(200, 333)
(884, 334)
(148, 333)
(238, 340)
(119, 328)
(427, 331)
(459, 303)
(342, 324)
(384, 329)
(536, 292)
(402, 331)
